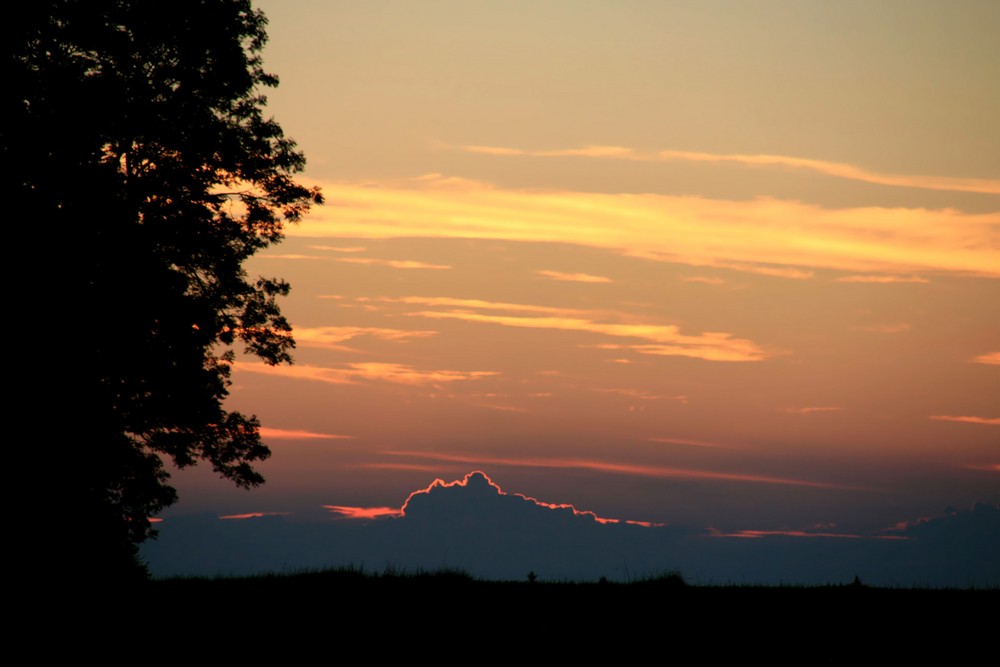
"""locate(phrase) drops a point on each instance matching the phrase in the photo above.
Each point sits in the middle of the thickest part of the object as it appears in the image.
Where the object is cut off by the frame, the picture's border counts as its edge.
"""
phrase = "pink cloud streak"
(968, 419)
(664, 472)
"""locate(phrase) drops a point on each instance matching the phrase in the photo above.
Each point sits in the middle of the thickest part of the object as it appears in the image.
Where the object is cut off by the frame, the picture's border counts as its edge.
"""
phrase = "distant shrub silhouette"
(669, 579)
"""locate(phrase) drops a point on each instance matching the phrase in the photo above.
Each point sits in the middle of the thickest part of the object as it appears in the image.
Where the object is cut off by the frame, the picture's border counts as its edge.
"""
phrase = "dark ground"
(443, 616)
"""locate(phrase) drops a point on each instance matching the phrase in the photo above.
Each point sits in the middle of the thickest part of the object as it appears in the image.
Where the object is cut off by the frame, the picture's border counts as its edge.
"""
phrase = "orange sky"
(724, 263)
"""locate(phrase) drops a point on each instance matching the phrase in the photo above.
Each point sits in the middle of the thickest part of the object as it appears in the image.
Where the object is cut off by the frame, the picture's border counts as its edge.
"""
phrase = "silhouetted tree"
(148, 174)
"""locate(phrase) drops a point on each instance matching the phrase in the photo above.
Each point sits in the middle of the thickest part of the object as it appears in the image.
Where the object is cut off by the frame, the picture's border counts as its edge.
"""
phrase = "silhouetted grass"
(389, 576)
(405, 612)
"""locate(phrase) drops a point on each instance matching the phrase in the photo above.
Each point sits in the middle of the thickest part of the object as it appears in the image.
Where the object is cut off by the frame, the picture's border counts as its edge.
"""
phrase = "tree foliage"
(146, 162)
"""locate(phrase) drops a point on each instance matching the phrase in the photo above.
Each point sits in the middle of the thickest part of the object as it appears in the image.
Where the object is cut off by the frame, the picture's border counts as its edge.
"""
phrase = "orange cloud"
(501, 408)
(292, 434)
(297, 372)
(825, 167)
(885, 328)
(724, 349)
(252, 515)
(992, 421)
(708, 280)
(991, 358)
(393, 263)
(331, 337)
(403, 374)
(493, 150)
(574, 277)
(783, 238)
(666, 339)
(643, 395)
(363, 512)
(379, 371)
(478, 304)
(617, 152)
(336, 248)
(290, 256)
(809, 410)
(773, 271)
(881, 279)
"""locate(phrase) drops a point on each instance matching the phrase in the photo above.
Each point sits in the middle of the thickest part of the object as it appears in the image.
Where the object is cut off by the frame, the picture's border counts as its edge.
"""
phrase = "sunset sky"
(729, 265)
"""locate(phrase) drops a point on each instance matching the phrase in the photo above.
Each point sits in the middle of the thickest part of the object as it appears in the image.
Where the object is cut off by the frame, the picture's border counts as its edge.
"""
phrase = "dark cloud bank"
(475, 526)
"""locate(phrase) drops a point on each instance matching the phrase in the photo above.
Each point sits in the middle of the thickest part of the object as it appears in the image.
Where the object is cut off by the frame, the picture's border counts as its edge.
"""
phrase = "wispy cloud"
(773, 271)
(810, 410)
(574, 277)
(501, 408)
(252, 515)
(643, 395)
(897, 327)
(992, 421)
(662, 339)
(291, 256)
(332, 337)
(710, 346)
(669, 335)
(843, 170)
(757, 534)
(662, 472)
(367, 371)
(990, 358)
(616, 152)
(403, 374)
(716, 347)
(338, 248)
(690, 443)
(294, 434)
(880, 279)
(347, 512)
(297, 372)
(708, 280)
(477, 304)
(392, 263)
(773, 237)
(825, 167)
(988, 467)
